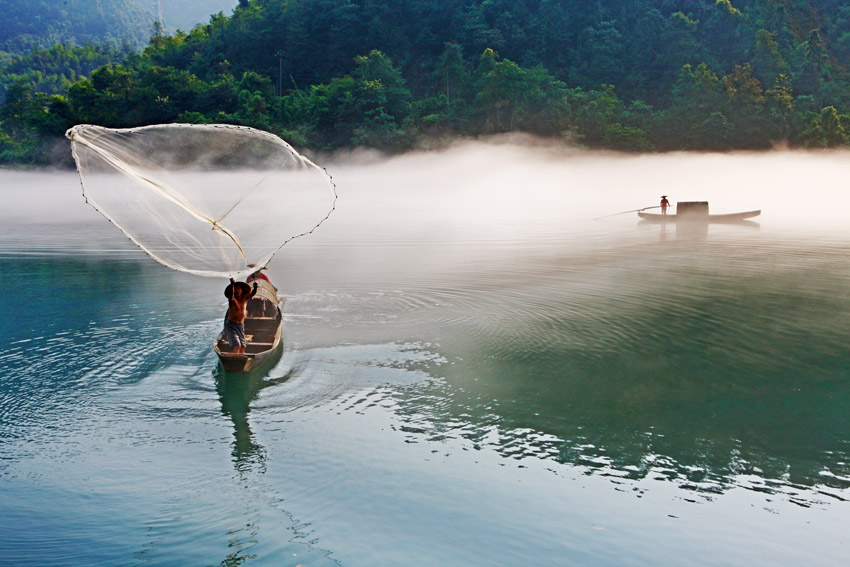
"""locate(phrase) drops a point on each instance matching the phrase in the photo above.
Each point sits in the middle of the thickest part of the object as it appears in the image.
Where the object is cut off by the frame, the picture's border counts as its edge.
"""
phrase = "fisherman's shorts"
(235, 333)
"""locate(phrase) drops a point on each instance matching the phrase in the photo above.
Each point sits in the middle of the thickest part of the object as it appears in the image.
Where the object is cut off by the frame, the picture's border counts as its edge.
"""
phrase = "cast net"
(209, 199)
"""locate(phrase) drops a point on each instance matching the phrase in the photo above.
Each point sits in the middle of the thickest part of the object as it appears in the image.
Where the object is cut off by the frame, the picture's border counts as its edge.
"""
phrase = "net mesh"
(211, 199)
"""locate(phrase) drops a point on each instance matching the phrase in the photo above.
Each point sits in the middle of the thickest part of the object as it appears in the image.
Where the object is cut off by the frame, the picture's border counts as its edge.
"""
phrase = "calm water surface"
(476, 372)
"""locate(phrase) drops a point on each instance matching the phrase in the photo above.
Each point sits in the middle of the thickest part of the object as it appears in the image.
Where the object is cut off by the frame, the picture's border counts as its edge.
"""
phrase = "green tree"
(715, 133)
(378, 72)
(452, 70)
(744, 105)
(510, 97)
(18, 103)
(811, 59)
(826, 130)
(833, 131)
(779, 109)
(696, 95)
(768, 62)
(369, 107)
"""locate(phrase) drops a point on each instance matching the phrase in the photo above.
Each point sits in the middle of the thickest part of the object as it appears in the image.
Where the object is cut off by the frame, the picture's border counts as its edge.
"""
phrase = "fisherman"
(238, 294)
(664, 204)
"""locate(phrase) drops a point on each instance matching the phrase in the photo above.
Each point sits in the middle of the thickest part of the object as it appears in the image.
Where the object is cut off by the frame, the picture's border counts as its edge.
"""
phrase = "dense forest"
(630, 75)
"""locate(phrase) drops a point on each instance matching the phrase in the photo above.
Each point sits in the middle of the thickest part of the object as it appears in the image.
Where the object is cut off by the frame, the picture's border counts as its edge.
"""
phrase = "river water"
(477, 371)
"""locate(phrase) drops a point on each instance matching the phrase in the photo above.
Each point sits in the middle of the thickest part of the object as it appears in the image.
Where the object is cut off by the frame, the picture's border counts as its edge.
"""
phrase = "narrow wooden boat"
(733, 217)
(697, 211)
(263, 324)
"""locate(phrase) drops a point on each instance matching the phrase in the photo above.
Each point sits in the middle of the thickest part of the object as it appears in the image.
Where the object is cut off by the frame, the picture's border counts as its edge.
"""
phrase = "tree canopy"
(631, 75)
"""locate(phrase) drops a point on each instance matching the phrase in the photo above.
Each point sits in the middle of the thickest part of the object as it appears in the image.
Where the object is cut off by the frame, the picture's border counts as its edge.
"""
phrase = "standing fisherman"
(664, 204)
(238, 294)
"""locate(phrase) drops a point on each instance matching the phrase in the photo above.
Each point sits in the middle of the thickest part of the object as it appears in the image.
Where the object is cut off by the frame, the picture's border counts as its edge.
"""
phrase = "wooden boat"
(733, 217)
(263, 324)
(697, 211)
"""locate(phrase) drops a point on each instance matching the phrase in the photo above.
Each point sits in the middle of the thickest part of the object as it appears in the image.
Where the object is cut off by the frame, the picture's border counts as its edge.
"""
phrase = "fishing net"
(210, 199)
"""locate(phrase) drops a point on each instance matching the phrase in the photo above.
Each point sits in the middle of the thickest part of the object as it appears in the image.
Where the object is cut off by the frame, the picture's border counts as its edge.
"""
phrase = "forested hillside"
(47, 46)
(44, 23)
(634, 75)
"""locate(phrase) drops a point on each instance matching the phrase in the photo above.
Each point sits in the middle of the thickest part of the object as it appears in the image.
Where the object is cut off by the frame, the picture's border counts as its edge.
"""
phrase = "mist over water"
(478, 369)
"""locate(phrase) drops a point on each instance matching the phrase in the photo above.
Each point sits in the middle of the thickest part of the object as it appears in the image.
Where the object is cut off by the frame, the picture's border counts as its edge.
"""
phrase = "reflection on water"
(460, 344)
(236, 392)
(690, 230)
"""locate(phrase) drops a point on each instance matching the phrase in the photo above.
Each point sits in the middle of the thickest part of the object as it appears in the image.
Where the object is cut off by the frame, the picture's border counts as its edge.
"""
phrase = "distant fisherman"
(664, 204)
(238, 294)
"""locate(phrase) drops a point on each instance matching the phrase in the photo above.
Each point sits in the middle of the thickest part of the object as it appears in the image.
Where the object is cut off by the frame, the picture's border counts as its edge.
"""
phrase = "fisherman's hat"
(246, 289)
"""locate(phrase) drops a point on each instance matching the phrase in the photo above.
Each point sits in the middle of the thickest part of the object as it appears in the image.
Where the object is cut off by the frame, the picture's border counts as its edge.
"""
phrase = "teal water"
(468, 379)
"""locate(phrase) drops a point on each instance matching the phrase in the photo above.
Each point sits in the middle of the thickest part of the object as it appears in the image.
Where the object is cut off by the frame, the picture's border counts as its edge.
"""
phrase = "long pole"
(625, 212)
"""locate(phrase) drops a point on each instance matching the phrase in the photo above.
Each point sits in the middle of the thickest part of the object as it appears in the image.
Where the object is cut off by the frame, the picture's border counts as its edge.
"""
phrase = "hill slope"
(43, 23)
(633, 75)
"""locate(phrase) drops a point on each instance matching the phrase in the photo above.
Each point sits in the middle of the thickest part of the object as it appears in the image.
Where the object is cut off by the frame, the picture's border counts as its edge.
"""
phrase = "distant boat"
(262, 331)
(697, 211)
